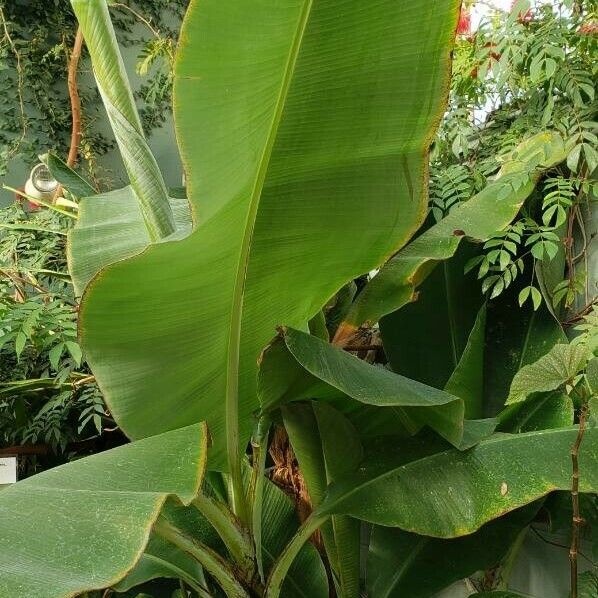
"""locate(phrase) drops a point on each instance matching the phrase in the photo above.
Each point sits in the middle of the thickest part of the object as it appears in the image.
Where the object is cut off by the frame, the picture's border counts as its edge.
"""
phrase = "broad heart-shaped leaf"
(417, 404)
(549, 372)
(327, 446)
(489, 211)
(454, 493)
(404, 564)
(84, 525)
(110, 228)
(304, 134)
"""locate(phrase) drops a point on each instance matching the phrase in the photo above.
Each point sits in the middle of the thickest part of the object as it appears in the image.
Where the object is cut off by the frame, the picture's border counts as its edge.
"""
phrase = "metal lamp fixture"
(41, 184)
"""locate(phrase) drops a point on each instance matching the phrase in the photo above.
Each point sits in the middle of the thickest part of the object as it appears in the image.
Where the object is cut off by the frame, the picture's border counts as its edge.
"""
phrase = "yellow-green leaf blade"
(338, 171)
(84, 525)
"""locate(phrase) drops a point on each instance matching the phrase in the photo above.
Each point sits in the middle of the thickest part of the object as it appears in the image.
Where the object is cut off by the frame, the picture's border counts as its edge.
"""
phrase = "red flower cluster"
(590, 28)
(464, 24)
(523, 17)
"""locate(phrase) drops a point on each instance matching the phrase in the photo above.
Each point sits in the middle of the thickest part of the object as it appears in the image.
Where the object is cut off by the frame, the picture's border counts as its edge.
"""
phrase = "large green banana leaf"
(479, 358)
(512, 343)
(427, 339)
(84, 525)
(304, 129)
(110, 228)
(486, 213)
(453, 493)
(325, 369)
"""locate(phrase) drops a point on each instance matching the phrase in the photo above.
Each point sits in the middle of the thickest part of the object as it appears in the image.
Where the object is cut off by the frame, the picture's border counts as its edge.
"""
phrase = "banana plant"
(304, 128)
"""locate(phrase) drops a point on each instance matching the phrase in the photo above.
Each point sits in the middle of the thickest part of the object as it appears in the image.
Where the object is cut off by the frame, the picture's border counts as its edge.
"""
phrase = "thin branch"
(137, 15)
(581, 313)
(20, 82)
(39, 201)
(563, 546)
(75, 99)
(577, 518)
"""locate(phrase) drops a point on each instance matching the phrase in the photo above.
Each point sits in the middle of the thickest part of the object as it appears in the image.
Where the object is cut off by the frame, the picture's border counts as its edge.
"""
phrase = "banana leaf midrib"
(234, 330)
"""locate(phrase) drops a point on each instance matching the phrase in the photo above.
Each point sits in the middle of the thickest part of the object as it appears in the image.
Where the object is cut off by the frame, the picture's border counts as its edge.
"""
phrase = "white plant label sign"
(8, 470)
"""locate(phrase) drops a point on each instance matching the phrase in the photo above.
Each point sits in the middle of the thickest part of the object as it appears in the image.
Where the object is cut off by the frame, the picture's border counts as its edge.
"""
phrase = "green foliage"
(511, 78)
(41, 398)
(298, 196)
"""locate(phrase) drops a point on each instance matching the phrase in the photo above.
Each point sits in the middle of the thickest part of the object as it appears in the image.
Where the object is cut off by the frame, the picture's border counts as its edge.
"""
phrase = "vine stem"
(20, 82)
(577, 519)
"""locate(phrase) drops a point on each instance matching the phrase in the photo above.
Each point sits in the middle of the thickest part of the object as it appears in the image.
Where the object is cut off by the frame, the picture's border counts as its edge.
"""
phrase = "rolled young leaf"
(483, 215)
(84, 525)
(111, 77)
(305, 162)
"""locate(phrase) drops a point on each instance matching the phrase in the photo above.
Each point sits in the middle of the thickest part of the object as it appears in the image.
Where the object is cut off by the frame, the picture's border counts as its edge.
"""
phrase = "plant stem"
(74, 98)
(577, 519)
(230, 530)
(285, 560)
(211, 561)
(259, 444)
(39, 201)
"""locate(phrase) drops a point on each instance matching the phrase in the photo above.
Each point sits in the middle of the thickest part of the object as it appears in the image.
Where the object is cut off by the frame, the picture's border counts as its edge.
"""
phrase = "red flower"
(589, 28)
(523, 17)
(464, 24)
